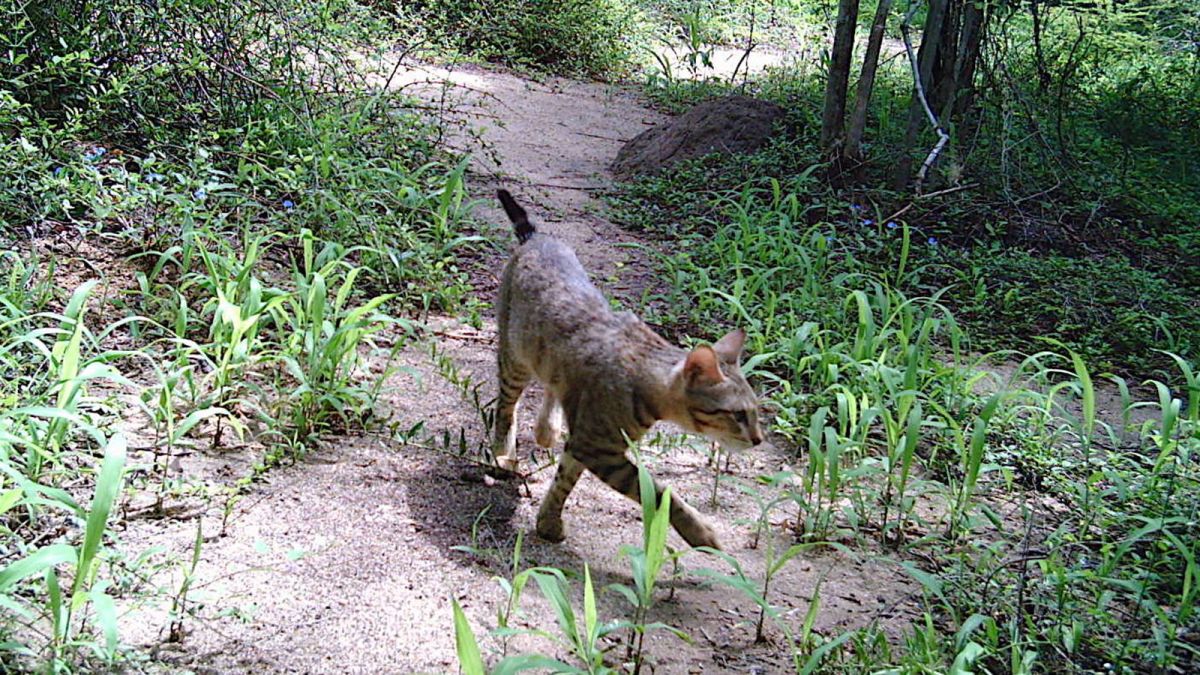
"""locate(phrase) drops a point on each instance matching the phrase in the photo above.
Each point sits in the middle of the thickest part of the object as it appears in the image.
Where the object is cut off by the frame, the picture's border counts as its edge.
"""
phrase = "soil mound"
(733, 124)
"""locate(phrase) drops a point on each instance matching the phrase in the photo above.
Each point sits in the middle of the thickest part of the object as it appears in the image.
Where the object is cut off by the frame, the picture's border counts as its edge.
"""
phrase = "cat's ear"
(729, 348)
(701, 367)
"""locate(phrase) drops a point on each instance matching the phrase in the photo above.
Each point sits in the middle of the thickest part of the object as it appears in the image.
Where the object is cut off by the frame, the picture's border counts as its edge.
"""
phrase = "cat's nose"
(756, 435)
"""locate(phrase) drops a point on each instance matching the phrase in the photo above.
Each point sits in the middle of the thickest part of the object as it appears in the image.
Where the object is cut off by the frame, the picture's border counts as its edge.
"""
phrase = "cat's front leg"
(549, 518)
(619, 473)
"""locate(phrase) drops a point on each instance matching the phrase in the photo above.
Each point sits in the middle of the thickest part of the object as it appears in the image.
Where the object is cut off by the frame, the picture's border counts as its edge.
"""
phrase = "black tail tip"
(517, 215)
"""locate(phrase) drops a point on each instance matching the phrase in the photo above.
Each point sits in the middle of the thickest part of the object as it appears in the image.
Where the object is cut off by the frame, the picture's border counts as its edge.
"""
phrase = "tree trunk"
(968, 57)
(1043, 73)
(839, 75)
(858, 118)
(942, 86)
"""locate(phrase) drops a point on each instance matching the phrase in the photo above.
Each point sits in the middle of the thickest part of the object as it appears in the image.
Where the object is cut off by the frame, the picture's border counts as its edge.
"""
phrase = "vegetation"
(1024, 199)
(576, 37)
(269, 220)
(222, 223)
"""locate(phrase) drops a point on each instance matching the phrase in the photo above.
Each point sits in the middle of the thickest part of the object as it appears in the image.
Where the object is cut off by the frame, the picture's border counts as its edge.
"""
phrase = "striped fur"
(607, 378)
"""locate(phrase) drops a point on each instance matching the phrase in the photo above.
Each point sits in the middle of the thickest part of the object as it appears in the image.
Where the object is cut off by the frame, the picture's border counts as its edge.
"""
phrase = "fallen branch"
(950, 190)
(931, 195)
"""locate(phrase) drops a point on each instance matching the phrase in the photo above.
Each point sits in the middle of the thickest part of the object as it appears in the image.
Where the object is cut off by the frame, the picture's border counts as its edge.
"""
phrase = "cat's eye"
(741, 417)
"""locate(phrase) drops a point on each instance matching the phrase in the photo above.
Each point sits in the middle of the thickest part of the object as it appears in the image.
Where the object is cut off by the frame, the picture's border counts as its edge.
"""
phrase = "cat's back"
(544, 275)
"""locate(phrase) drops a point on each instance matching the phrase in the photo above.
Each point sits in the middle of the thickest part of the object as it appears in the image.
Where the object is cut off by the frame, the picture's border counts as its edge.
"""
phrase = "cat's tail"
(517, 215)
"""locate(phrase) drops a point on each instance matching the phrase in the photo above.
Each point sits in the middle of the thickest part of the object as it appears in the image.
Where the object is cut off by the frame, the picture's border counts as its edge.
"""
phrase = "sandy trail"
(344, 562)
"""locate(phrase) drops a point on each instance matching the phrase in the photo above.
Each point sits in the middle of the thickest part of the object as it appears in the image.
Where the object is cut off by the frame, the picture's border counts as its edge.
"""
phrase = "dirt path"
(345, 562)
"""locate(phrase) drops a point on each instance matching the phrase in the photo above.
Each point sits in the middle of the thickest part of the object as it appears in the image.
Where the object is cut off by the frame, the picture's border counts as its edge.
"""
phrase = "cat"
(607, 378)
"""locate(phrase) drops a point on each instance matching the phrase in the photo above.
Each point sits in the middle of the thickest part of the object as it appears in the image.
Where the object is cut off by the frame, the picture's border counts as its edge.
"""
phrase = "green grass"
(877, 391)
(583, 38)
(268, 217)
(1004, 296)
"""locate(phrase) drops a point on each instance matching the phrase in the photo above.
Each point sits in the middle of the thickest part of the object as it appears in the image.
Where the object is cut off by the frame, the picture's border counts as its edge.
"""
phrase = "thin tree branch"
(943, 137)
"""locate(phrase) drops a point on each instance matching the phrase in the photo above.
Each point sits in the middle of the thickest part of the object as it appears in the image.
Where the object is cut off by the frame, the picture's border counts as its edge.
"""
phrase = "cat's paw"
(507, 464)
(702, 535)
(551, 530)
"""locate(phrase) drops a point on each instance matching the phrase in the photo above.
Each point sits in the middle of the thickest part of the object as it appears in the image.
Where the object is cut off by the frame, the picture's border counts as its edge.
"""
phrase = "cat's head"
(716, 399)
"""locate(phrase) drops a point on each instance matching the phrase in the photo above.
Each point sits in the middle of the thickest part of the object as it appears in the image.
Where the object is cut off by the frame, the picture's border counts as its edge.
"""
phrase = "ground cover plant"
(265, 224)
(235, 251)
(1032, 205)
(880, 392)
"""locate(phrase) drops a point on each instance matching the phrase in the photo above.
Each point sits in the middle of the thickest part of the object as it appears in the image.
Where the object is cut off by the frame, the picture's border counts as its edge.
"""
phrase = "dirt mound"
(734, 124)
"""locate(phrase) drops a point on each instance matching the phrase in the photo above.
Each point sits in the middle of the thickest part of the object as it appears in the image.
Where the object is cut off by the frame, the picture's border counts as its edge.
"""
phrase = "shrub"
(572, 37)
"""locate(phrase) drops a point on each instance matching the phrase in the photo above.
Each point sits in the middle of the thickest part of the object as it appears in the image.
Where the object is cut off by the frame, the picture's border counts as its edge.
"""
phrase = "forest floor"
(345, 560)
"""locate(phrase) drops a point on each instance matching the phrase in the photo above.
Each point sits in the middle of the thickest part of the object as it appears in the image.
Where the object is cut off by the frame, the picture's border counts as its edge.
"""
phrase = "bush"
(570, 37)
(1113, 312)
(152, 119)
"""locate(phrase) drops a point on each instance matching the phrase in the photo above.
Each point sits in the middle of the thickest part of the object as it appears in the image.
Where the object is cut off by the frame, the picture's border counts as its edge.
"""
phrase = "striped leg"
(622, 476)
(512, 383)
(549, 518)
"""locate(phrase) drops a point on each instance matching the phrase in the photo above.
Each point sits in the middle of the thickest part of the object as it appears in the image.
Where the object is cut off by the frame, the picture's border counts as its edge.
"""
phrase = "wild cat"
(607, 376)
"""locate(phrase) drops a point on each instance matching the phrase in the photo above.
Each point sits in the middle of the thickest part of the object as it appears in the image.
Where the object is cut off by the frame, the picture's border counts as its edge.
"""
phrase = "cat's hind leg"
(550, 423)
(513, 381)
(615, 469)
(549, 518)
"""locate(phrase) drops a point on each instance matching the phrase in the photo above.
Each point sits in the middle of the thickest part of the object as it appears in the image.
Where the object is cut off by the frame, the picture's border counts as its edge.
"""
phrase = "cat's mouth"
(735, 443)
(740, 444)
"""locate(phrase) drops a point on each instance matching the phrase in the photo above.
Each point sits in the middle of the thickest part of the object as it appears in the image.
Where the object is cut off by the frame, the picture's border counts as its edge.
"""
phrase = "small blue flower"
(58, 170)
(868, 221)
(891, 225)
(855, 207)
(154, 178)
(289, 204)
(200, 194)
(94, 154)
(933, 241)
(829, 239)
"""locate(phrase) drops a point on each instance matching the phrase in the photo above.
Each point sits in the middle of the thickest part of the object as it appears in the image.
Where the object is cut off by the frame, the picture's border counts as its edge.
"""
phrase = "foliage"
(212, 148)
(248, 129)
(574, 37)
(1049, 183)
(720, 22)
(583, 641)
(876, 390)
(1109, 309)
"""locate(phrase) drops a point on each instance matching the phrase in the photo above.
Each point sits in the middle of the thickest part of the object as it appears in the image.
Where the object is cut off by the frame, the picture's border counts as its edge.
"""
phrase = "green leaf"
(9, 499)
(469, 658)
(589, 606)
(814, 659)
(36, 563)
(195, 417)
(657, 543)
(523, 662)
(108, 486)
(624, 591)
(106, 616)
(552, 588)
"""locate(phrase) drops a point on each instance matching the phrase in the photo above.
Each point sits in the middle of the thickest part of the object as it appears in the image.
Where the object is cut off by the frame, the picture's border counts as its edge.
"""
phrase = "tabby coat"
(607, 376)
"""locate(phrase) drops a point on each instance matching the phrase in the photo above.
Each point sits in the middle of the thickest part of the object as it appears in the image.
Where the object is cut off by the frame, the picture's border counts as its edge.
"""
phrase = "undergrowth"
(880, 393)
(268, 215)
(1046, 189)
(591, 38)
(1006, 295)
